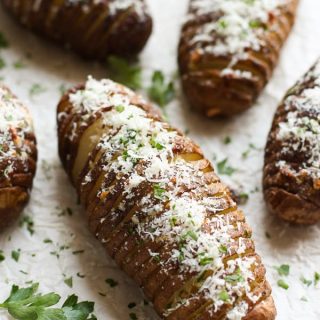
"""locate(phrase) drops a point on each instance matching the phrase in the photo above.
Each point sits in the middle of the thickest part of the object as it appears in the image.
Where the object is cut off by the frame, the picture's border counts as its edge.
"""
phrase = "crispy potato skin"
(292, 197)
(16, 183)
(131, 252)
(86, 26)
(213, 94)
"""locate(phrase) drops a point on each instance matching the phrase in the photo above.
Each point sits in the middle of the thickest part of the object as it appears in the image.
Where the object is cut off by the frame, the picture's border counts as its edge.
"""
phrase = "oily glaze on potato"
(292, 158)
(158, 208)
(18, 156)
(228, 50)
(93, 28)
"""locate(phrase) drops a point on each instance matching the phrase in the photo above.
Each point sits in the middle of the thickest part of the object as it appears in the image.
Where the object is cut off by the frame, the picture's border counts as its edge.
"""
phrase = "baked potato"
(228, 50)
(292, 158)
(93, 28)
(158, 208)
(18, 155)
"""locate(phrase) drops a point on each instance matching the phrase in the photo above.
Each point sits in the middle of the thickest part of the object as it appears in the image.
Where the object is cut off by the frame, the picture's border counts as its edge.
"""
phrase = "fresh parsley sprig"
(161, 91)
(27, 304)
(125, 73)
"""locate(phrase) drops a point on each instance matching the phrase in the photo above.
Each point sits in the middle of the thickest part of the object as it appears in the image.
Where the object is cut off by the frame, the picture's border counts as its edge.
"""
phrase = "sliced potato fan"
(158, 208)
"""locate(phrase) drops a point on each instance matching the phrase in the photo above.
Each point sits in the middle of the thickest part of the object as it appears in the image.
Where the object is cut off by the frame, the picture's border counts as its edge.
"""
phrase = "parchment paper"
(46, 68)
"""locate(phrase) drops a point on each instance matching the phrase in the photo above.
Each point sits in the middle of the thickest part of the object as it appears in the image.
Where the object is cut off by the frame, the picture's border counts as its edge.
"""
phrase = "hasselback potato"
(228, 50)
(18, 155)
(158, 208)
(93, 28)
(292, 158)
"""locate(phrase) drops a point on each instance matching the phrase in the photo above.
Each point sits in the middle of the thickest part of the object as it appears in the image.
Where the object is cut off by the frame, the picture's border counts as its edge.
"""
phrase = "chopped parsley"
(282, 284)
(234, 278)
(2, 257)
(133, 316)
(19, 64)
(305, 281)
(131, 305)
(159, 192)
(69, 282)
(124, 72)
(15, 255)
(316, 278)
(3, 41)
(161, 91)
(2, 63)
(224, 296)
(155, 144)
(223, 249)
(224, 168)
(119, 108)
(205, 261)
(36, 89)
(28, 222)
(112, 283)
(283, 270)
(227, 140)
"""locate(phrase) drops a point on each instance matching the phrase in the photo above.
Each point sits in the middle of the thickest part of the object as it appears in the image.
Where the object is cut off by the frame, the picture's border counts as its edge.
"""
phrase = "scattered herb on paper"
(125, 73)
(161, 91)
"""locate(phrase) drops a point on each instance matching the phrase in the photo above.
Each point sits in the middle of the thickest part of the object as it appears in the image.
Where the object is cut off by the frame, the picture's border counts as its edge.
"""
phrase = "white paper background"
(50, 67)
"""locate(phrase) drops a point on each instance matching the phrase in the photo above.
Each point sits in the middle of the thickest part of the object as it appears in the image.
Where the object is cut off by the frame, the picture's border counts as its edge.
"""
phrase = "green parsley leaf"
(224, 296)
(316, 278)
(283, 270)
(28, 222)
(234, 278)
(160, 91)
(36, 89)
(205, 261)
(2, 63)
(69, 282)
(119, 108)
(159, 192)
(3, 41)
(305, 281)
(227, 140)
(282, 284)
(155, 144)
(133, 316)
(15, 255)
(224, 168)
(223, 249)
(131, 305)
(125, 73)
(19, 64)
(112, 283)
(2, 257)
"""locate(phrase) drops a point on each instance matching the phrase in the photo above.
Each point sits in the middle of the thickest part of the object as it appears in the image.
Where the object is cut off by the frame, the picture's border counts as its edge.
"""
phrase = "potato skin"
(88, 27)
(101, 191)
(217, 84)
(290, 189)
(18, 157)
